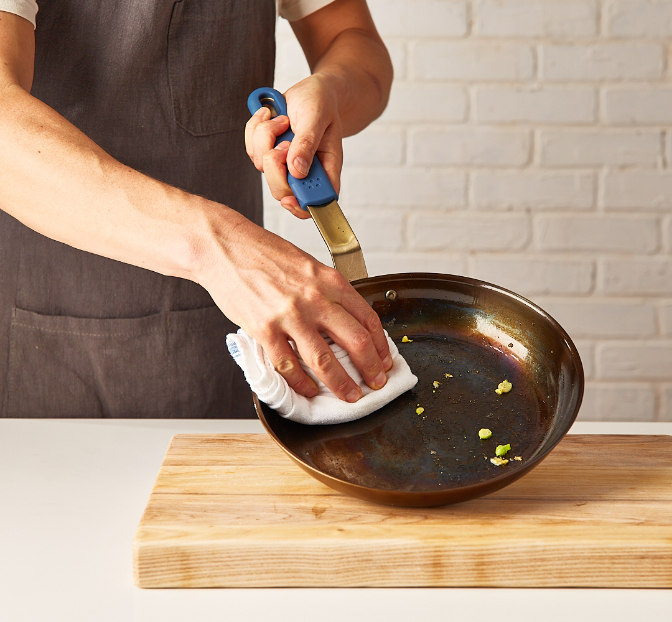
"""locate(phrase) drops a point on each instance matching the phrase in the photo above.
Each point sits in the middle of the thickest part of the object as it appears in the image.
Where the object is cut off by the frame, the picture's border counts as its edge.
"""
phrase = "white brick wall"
(469, 146)
(527, 143)
(638, 19)
(555, 19)
(605, 61)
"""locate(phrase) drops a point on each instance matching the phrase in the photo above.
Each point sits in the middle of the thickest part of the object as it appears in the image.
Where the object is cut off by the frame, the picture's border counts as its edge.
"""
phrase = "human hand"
(313, 111)
(277, 293)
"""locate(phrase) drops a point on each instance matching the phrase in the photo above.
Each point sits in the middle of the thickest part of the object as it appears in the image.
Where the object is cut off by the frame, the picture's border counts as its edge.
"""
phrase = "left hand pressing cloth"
(325, 407)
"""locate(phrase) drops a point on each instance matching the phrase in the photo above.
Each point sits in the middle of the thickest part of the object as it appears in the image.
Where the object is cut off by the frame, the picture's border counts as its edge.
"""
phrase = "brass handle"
(339, 237)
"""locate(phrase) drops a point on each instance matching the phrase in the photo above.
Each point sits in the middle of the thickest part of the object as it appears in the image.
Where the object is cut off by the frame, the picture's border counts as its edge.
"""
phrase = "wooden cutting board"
(232, 510)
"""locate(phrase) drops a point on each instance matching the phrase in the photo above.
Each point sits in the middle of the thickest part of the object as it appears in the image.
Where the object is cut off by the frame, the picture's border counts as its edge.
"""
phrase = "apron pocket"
(212, 59)
(168, 365)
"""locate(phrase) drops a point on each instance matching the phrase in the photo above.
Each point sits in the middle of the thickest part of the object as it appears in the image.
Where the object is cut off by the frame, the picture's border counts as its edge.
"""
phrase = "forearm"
(359, 70)
(344, 49)
(57, 181)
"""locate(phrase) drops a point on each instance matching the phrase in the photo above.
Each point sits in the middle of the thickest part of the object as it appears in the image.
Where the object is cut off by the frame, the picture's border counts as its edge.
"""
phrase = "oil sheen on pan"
(398, 448)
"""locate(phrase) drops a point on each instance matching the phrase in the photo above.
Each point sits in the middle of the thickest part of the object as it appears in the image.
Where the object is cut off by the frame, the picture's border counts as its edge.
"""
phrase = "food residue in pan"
(504, 387)
(454, 410)
(499, 461)
(502, 450)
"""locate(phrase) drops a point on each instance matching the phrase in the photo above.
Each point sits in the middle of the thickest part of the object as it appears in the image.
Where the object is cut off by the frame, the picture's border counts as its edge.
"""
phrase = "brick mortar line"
(539, 83)
(527, 41)
(600, 128)
(600, 19)
(577, 40)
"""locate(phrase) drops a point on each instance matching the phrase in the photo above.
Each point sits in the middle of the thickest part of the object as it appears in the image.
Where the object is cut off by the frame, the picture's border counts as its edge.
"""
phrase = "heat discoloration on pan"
(478, 334)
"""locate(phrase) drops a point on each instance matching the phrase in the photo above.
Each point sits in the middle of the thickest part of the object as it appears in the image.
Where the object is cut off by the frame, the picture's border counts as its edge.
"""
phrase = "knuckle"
(362, 340)
(289, 310)
(303, 385)
(305, 144)
(249, 149)
(373, 369)
(264, 336)
(334, 278)
(342, 387)
(267, 130)
(273, 159)
(285, 366)
(268, 157)
(372, 322)
(324, 361)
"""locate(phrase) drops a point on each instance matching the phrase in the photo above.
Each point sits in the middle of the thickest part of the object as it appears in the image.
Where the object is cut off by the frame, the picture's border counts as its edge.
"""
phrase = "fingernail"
(301, 165)
(312, 392)
(261, 112)
(387, 363)
(283, 146)
(354, 395)
(380, 380)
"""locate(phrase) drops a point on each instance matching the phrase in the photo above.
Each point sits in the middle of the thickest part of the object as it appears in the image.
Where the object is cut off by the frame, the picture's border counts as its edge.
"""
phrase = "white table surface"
(72, 493)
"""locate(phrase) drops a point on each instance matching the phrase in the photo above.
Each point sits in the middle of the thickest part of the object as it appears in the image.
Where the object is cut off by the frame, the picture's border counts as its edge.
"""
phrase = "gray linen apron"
(161, 86)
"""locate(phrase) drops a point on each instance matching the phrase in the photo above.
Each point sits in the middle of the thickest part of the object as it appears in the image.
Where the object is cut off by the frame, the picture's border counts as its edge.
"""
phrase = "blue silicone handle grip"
(315, 189)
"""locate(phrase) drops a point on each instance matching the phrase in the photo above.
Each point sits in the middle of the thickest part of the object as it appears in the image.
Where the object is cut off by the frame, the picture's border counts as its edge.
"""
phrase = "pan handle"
(316, 195)
(315, 189)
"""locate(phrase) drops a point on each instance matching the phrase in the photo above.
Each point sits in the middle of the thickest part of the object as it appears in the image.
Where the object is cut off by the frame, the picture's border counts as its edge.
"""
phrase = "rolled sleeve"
(293, 10)
(23, 8)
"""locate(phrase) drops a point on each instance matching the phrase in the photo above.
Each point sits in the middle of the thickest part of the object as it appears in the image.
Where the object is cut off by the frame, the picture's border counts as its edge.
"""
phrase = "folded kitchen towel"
(325, 407)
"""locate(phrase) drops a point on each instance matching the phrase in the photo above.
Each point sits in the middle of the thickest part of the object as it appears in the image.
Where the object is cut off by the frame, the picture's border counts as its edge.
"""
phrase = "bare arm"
(342, 44)
(58, 182)
(349, 87)
(55, 180)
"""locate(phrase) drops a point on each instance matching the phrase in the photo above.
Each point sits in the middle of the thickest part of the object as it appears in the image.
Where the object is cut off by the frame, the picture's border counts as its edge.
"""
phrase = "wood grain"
(233, 511)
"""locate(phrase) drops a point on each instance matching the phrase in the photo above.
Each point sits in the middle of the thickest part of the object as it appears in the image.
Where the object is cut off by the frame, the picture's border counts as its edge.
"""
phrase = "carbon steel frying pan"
(467, 336)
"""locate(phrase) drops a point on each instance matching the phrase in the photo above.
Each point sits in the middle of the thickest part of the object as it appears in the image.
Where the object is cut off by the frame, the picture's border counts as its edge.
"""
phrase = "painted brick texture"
(526, 143)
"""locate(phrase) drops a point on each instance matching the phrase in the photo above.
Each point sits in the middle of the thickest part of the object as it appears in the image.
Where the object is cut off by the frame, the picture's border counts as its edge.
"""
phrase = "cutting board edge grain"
(253, 551)
(361, 563)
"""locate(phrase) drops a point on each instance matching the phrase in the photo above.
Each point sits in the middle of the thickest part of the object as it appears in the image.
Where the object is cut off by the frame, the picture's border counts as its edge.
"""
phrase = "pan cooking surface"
(480, 335)
(398, 449)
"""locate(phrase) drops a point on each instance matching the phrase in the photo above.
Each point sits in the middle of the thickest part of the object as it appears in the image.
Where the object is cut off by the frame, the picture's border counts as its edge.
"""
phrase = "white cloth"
(325, 408)
(291, 10)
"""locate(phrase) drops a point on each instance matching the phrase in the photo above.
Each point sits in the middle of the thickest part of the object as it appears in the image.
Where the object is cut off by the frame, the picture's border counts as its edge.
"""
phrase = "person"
(131, 239)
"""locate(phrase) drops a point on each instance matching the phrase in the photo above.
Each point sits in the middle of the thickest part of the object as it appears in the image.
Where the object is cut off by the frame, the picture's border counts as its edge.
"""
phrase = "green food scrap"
(405, 339)
(436, 384)
(484, 433)
(502, 450)
(448, 375)
(504, 387)
(419, 410)
(499, 461)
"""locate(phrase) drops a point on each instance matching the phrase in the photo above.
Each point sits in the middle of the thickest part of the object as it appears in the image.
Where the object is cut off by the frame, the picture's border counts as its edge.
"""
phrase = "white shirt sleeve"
(24, 8)
(292, 10)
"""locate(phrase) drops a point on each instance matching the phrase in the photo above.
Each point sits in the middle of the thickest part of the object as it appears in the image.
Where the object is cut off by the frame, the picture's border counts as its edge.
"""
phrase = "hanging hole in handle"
(267, 102)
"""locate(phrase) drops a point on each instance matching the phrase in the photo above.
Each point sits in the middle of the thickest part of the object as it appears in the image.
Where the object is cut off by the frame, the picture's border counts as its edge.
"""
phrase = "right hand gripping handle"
(315, 189)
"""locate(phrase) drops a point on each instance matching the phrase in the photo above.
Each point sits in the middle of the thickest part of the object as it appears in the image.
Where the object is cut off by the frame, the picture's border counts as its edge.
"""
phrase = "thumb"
(308, 133)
